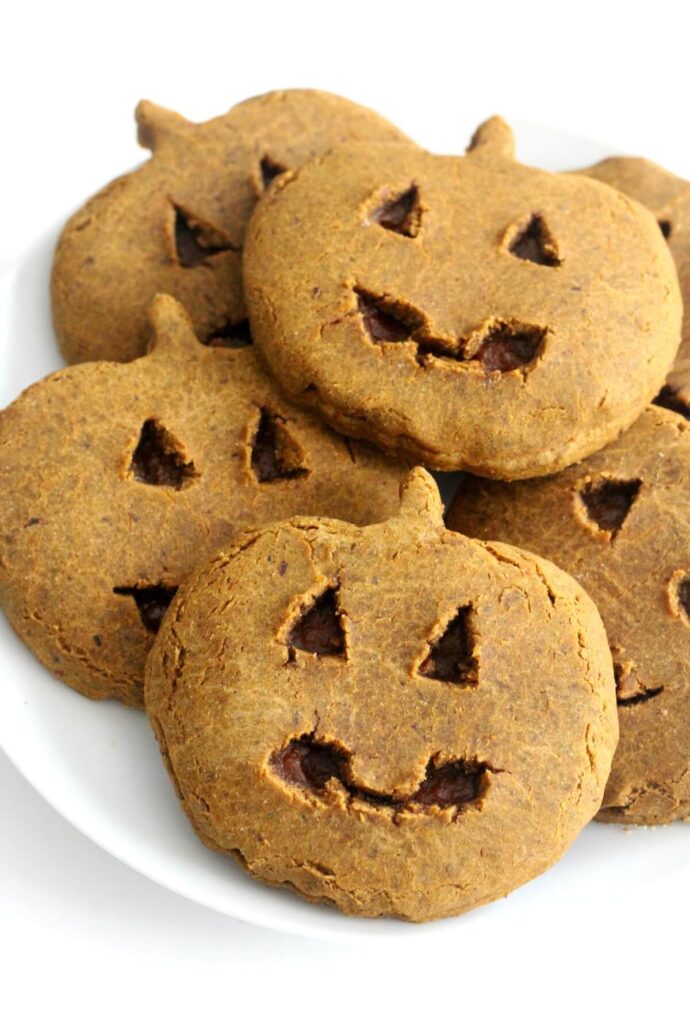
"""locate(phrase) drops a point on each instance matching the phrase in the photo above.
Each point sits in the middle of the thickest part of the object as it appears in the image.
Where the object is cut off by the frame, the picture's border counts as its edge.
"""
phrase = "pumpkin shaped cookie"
(668, 197)
(620, 523)
(394, 719)
(115, 479)
(469, 312)
(177, 224)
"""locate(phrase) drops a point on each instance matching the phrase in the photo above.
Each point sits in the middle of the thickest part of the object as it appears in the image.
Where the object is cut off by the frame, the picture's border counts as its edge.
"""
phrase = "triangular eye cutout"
(270, 170)
(195, 243)
(451, 657)
(158, 459)
(665, 227)
(384, 322)
(509, 347)
(535, 243)
(152, 603)
(318, 629)
(608, 502)
(670, 399)
(275, 453)
(231, 335)
(401, 213)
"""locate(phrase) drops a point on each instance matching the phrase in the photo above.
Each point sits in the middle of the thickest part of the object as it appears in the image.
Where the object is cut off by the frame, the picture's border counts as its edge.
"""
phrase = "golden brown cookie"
(397, 720)
(115, 479)
(177, 224)
(468, 312)
(620, 523)
(668, 197)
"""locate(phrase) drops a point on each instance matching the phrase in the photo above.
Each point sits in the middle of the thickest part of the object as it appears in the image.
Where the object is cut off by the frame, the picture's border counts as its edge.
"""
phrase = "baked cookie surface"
(176, 224)
(115, 479)
(396, 719)
(668, 197)
(620, 523)
(469, 312)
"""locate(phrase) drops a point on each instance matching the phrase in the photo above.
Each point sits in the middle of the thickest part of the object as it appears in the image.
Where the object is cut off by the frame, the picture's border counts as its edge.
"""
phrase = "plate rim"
(80, 818)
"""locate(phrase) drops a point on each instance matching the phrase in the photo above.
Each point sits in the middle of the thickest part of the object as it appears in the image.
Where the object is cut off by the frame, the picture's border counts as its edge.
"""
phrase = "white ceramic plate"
(98, 764)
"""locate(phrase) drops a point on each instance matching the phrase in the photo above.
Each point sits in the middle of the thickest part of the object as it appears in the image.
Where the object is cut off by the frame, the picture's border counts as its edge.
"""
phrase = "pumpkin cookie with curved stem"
(620, 523)
(115, 479)
(469, 312)
(394, 719)
(176, 224)
(668, 197)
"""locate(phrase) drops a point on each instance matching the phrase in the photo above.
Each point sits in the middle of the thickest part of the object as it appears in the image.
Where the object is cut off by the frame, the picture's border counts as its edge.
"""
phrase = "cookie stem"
(155, 124)
(419, 498)
(495, 138)
(173, 333)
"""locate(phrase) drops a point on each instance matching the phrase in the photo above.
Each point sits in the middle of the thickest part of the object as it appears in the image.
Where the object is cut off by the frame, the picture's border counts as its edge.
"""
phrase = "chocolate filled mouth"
(308, 764)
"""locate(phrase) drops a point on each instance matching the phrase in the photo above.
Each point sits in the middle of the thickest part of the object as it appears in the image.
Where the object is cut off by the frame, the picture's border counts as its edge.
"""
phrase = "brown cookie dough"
(620, 523)
(668, 197)
(115, 479)
(469, 312)
(396, 720)
(177, 224)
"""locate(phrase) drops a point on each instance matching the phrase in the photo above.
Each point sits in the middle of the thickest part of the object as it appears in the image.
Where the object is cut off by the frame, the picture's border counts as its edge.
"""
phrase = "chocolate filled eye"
(194, 243)
(319, 630)
(534, 243)
(400, 213)
(608, 502)
(270, 169)
(276, 455)
(152, 603)
(451, 656)
(158, 460)
(668, 398)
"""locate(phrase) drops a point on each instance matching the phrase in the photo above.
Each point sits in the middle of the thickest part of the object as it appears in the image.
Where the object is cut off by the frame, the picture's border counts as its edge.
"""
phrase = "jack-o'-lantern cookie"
(115, 479)
(176, 224)
(394, 719)
(620, 523)
(668, 197)
(469, 312)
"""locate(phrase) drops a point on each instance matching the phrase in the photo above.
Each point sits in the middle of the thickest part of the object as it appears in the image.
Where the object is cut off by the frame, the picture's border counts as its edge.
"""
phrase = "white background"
(83, 938)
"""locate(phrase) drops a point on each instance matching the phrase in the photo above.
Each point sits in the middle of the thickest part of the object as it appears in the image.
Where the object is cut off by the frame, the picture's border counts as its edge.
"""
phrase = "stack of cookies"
(222, 509)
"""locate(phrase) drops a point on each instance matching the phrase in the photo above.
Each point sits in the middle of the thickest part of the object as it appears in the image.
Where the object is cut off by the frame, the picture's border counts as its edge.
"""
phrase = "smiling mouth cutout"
(315, 767)
(497, 347)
